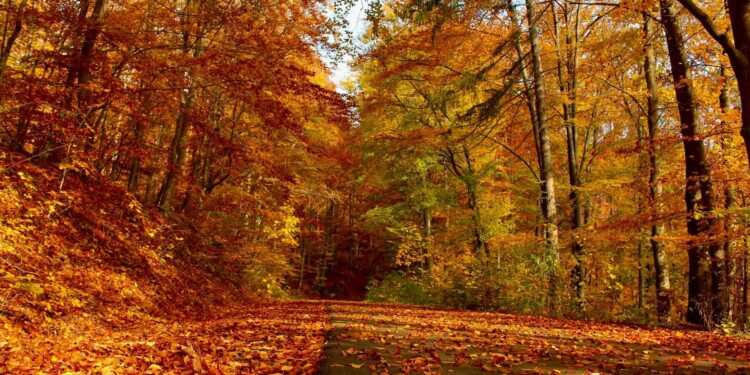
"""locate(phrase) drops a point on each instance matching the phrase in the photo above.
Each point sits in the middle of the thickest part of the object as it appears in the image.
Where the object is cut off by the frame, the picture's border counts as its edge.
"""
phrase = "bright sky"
(341, 69)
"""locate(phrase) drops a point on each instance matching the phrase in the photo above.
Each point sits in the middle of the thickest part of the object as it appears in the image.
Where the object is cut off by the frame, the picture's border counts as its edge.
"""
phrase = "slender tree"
(661, 266)
(547, 179)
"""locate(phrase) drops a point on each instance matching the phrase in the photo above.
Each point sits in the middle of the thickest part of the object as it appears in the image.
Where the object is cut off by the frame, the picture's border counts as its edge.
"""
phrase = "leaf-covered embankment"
(92, 281)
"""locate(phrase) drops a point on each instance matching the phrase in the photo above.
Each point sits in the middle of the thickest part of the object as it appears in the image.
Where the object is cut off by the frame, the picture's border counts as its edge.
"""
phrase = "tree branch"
(721, 37)
(620, 89)
(519, 157)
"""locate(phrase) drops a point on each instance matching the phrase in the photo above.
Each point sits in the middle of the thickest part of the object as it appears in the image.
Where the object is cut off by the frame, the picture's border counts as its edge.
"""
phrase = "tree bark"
(730, 196)
(7, 48)
(178, 145)
(738, 52)
(80, 70)
(705, 304)
(567, 66)
(739, 15)
(640, 273)
(177, 153)
(745, 284)
(470, 180)
(547, 180)
(661, 270)
(135, 159)
(78, 77)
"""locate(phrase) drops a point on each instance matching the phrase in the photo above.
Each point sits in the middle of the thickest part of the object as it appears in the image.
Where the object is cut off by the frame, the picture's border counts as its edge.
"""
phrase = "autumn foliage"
(572, 158)
(167, 167)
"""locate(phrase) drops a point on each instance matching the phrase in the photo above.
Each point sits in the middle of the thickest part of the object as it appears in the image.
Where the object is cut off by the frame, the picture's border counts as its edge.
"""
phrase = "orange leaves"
(288, 338)
(399, 338)
(266, 339)
(257, 115)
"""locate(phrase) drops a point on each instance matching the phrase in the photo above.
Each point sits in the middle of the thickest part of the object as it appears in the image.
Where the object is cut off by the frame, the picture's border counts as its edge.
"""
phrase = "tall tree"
(567, 44)
(661, 266)
(546, 176)
(194, 23)
(706, 258)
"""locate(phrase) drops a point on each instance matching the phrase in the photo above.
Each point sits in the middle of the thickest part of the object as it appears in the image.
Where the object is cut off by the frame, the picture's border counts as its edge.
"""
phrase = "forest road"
(370, 338)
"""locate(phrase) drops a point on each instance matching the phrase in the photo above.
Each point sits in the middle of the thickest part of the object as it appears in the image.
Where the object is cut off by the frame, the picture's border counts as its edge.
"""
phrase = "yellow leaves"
(413, 248)
(27, 180)
(154, 369)
(286, 228)
(135, 206)
(76, 357)
(263, 355)
(78, 166)
(32, 288)
(52, 206)
(7, 232)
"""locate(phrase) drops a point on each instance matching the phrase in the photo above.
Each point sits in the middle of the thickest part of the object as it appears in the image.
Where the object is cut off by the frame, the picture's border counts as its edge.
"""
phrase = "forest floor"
(327, 337)
(382, 338)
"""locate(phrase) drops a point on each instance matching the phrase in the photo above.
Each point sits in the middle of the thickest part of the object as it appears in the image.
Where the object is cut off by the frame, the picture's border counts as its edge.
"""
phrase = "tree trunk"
(301, 264)
(11, 40)
(641, 286)
(18, 142)
(80, 71)
(705, 286)
(467, 175)
(730, 196)
(93, 29)
(177, 152)
(178, 145)
(745, 284)
(661, 270)
(79, 74)
(426, 258)
(135, 160)
(739, 15)
(547, 183)
(738, 52)
(528, 86)
(567, 66)
(470, 179)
